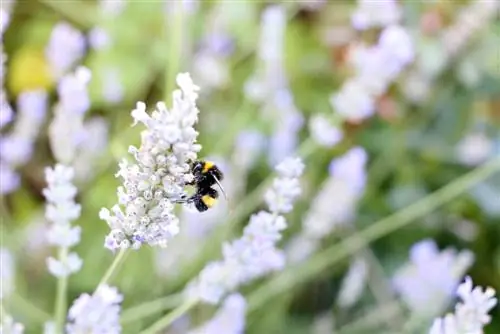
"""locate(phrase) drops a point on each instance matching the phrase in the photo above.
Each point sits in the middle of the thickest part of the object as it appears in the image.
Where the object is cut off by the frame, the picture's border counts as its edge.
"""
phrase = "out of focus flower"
(376, 67)
(210, 70)
(474, 149)
(157, 178)
(334, 205)
(248, 146)
(65, 48)
(353, 102)
(323, 323)
(61, 210)
(255, 253)
(323, 132)
(9, 326)
(376, 14)
(7, 115)
(427, 283)
(6, 274)
(229, 319)
(5, 11)
(112, 85)
(66, 130)
(471, 314)
(93, 145)
(353, 283)
(112, 8)
(97, 313)
(9, 180)
(99, 39)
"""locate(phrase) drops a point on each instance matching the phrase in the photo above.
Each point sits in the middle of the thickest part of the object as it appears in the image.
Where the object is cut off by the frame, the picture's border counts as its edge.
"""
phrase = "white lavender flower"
(427, 283)
(6, 274)
(9, 326)
(61, 210)
(97, 313)
(353, 284)
(324, 132)
(112, 85)
(471, 314)
(334, 206)
(66, 130)
(474, 149)
(99, 39)
(5, 12)
(65, 48)
(93, 145)
(157, 178)
(379, 13)
(255, 253)
(353, 102)
(66, 266)
(229, 319)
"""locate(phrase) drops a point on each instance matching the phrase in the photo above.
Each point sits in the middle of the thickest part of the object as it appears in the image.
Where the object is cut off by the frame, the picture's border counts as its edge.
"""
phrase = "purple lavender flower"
(428, 281)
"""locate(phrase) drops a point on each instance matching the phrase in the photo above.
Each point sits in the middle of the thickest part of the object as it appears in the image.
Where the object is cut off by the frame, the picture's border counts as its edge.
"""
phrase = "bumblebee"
(206, 175)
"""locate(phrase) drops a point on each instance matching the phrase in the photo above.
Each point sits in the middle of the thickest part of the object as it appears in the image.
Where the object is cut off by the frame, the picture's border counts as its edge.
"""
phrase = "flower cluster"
(255, 253)
(156, 180)
(60, 211)
(471, 314)
(66, 129)
(376, 67)
(97, 313)
(229, 319)
(334, 205)
(427, 283)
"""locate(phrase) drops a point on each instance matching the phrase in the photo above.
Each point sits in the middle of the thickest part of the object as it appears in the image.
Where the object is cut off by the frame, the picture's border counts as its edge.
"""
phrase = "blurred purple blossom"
(474, 149)
(249, 144)
(353, 283)
(113, 90)
(334, 204)
(96, 313)
(99, 39)
(9, 180)
(65, 48)
(324, 132)
(427, 283)
(376, 14)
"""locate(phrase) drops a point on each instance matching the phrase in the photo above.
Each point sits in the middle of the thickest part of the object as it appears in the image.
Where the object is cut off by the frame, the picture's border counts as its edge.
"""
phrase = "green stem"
(174, 28)
(336, 253)
(149, 308)
(61, 295)
(169, 318)
(27, 309)
(371, 319)
(116, 262)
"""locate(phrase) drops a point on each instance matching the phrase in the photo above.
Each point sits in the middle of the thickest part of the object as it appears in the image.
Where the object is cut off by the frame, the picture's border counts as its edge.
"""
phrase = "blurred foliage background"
(424, 134)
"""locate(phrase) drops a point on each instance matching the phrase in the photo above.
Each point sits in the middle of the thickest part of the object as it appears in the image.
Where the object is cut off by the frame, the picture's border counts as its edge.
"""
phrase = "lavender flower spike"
(471, 315)
(97, 313)
(254, 254)
(157, 178)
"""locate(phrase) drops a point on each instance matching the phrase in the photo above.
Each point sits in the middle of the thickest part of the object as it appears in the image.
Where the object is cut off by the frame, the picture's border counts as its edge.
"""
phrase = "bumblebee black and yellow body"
(206, 174)
(205, 200)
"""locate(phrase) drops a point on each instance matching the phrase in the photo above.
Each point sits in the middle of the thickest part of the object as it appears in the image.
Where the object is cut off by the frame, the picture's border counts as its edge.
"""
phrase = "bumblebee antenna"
(220, 187)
